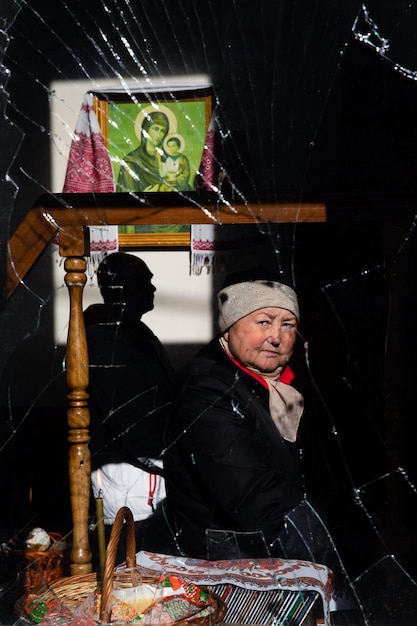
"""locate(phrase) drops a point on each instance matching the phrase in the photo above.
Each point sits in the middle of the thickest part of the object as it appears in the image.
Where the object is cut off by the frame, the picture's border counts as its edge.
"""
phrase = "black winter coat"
(130, 385)
(226, 465)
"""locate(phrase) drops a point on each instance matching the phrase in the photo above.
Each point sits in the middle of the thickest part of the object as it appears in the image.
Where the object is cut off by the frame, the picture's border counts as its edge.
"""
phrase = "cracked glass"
(313, 106)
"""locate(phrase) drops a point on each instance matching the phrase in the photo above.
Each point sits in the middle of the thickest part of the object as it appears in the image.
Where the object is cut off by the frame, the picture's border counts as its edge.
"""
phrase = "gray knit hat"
(240, 299)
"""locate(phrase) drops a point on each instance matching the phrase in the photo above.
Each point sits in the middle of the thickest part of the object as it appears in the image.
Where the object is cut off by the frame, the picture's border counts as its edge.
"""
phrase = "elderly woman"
(232, 454)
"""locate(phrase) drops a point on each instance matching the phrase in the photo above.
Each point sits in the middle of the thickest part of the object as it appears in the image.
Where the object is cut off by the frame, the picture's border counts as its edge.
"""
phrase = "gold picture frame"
(157, 142)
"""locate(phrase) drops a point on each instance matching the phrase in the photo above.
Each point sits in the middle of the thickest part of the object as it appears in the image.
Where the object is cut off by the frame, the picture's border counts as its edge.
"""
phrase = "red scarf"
(287, 375)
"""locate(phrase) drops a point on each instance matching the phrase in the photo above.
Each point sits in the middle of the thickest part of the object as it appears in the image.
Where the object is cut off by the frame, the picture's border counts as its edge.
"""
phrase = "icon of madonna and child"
(168, 157)
(159, 163)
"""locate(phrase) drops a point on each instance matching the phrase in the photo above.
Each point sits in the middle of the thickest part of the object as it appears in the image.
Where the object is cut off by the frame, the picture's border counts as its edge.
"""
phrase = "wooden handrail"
(52, 214)
(69, 215)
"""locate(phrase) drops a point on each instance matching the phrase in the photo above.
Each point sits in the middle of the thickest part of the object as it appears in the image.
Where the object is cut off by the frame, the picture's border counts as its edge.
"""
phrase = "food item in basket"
(123, 612)
(137, 599)
(166, 611)
(173, 609)
(171, 599)
(188, 589)
(120, 610)
(38, 540)
(37, 609)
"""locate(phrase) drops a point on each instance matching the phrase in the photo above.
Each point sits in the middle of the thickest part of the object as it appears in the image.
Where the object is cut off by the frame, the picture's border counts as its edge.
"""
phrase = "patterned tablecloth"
(254, 574)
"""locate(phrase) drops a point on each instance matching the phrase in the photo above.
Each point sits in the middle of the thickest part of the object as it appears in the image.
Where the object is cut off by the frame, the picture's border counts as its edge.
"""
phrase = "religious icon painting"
(159, 141)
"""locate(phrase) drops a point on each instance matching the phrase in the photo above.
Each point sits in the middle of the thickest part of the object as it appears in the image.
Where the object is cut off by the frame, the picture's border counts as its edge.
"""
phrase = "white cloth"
(89, 170)
(225, 247)
(256, 574)
(202, 248)
(122, 484)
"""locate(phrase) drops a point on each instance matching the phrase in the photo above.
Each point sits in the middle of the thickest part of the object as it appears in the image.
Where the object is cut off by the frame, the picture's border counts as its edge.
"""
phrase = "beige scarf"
(286, 404)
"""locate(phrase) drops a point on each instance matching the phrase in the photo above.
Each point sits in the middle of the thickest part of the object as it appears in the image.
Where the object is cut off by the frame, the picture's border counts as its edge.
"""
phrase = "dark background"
(306, 111)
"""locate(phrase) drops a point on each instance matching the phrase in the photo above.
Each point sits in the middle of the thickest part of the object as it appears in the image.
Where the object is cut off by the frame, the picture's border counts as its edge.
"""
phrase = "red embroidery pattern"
(207, 163)
(89, 168)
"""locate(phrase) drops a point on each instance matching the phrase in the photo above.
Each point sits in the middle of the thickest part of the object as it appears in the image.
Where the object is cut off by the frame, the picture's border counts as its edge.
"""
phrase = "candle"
(101, 535)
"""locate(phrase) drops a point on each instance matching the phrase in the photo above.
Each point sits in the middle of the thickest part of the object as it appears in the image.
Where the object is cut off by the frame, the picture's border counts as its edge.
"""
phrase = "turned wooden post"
(78, 414)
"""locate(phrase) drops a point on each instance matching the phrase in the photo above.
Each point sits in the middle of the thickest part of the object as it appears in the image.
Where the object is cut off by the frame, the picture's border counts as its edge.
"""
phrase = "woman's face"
(156, 134)
(263, 340)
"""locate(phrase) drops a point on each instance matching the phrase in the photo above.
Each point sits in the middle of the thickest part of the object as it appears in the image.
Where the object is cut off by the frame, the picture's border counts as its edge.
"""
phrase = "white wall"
(183, 305)
(182, 311)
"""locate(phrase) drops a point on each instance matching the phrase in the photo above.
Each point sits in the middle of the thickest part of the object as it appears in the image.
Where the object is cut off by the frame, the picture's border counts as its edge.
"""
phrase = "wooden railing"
(69, 215)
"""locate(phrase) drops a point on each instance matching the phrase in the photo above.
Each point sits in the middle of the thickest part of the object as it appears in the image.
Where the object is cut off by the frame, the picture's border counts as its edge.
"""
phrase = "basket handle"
(123, 515)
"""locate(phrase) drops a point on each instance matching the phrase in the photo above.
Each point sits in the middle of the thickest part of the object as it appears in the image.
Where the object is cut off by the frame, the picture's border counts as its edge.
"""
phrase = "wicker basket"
(72, 591)
(43, 567)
